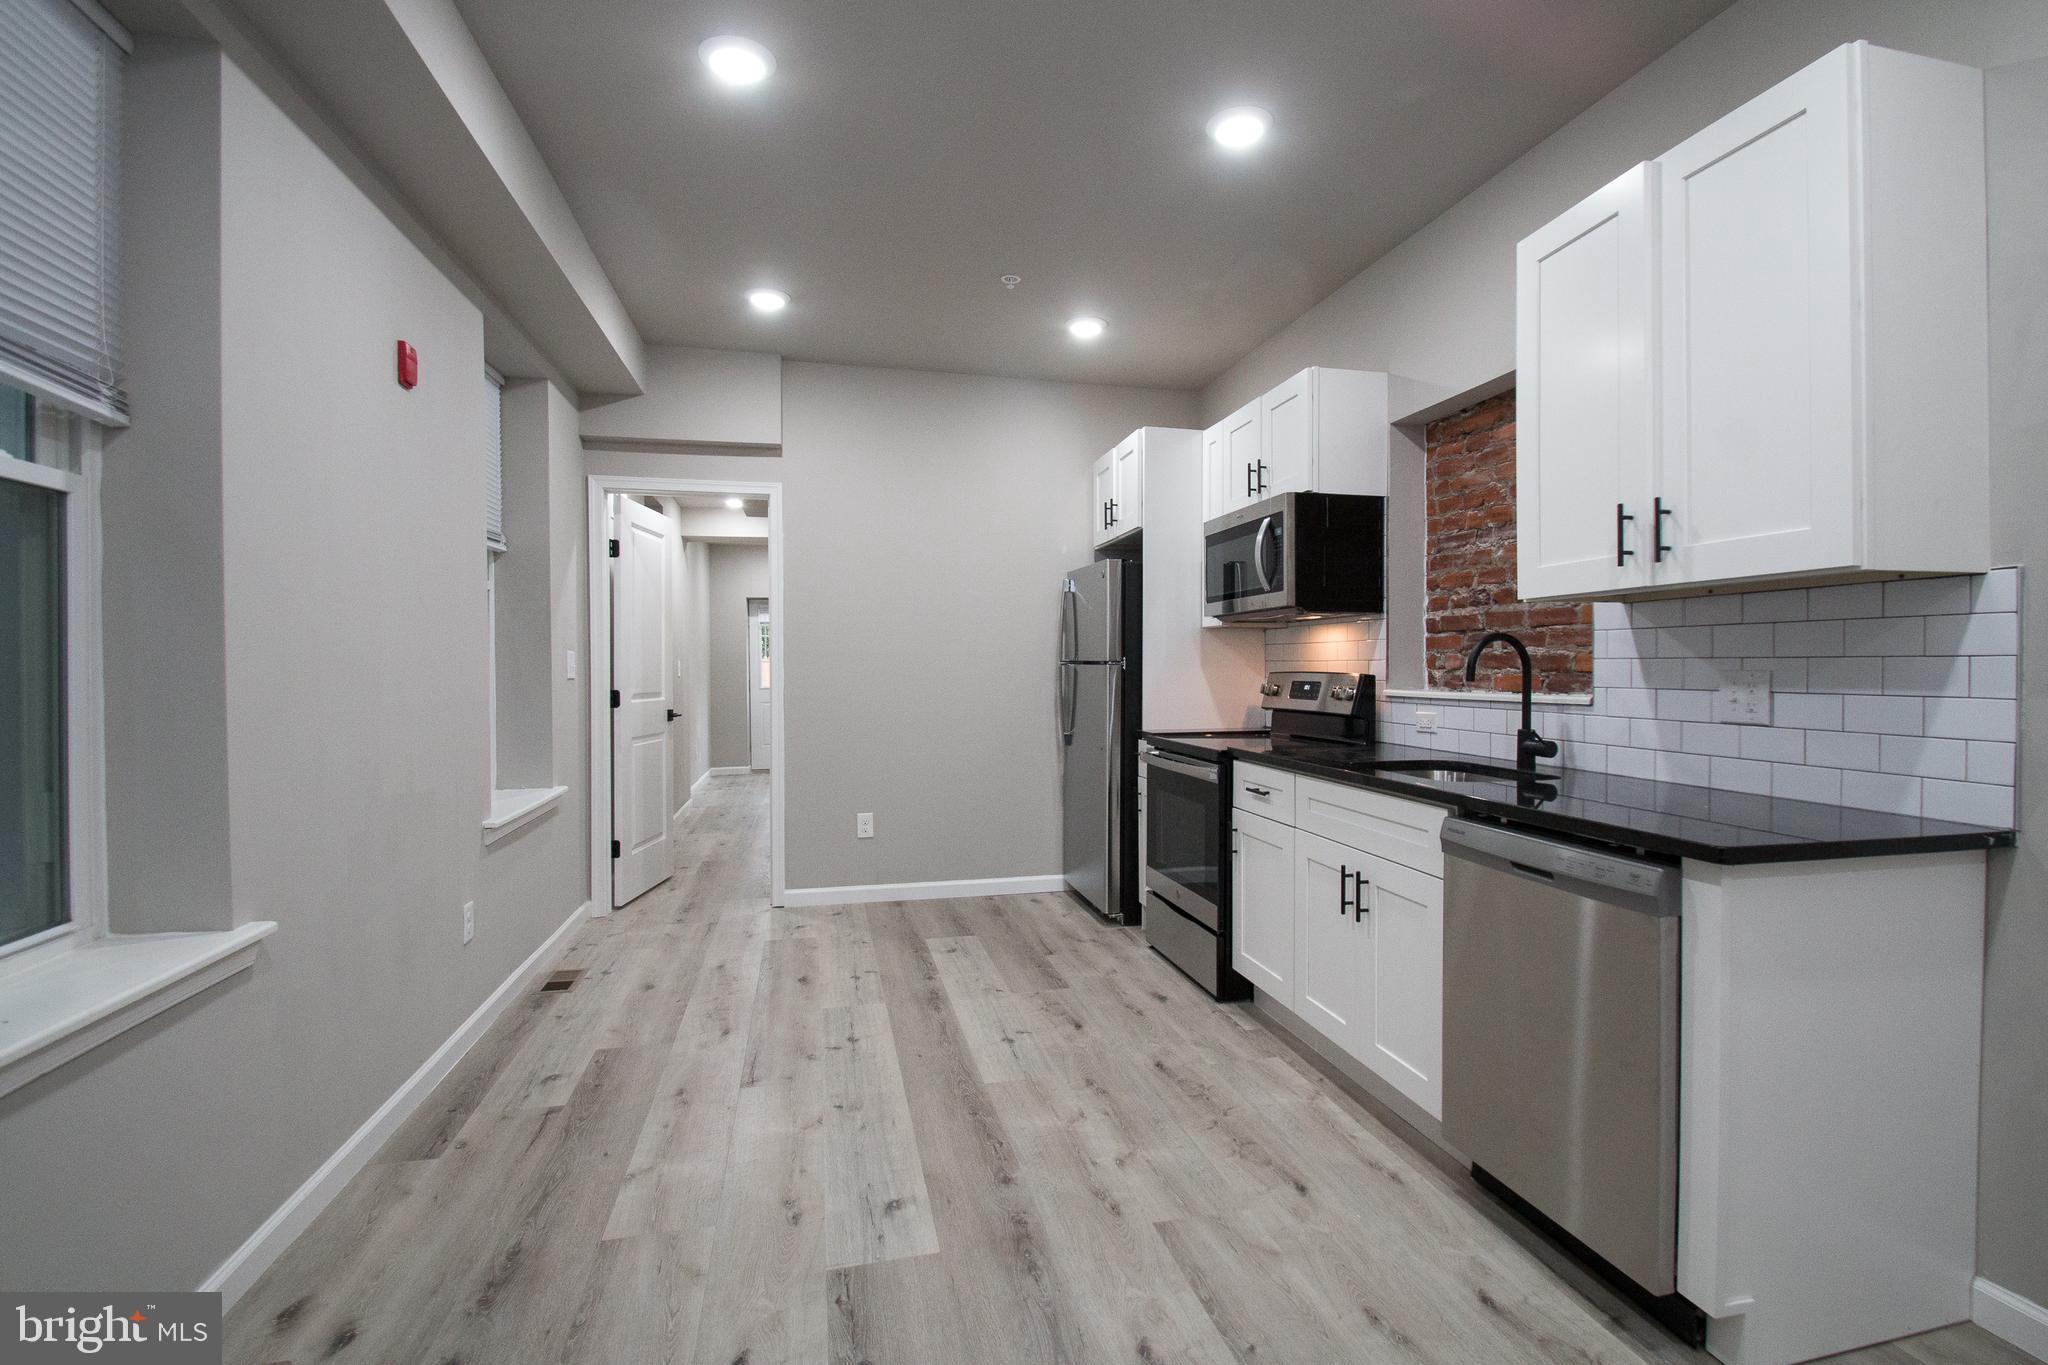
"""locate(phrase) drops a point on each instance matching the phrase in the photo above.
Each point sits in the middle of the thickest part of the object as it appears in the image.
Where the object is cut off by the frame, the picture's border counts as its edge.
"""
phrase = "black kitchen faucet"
(1529, 746)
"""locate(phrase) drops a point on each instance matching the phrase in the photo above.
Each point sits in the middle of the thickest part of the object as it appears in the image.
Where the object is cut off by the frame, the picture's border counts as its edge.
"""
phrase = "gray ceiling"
(908, 153)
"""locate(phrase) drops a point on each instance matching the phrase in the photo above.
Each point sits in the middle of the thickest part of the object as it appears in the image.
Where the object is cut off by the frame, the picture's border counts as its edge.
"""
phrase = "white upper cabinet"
(1584, 422)
(1102, 499)
(1321, 430)
(1812, 398)
(1128, 511)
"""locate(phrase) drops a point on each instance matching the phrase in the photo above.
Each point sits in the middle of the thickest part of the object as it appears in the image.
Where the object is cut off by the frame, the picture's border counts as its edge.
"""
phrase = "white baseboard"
(698, 785)
(727, 772)
(2007, 1315)
(920, 891)
(248, 1261)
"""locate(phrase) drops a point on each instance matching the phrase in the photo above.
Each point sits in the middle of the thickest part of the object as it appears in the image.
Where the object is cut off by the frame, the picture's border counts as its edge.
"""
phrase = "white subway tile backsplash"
(1795, 639)
(1774, 606)
(1998, 590)
(1773, 745)
(1807, 710)
(1885, 635)
(1882, 715)
(1972, 718)
(1990, 761)
(1758, 639)
(1845, 675)
(1932, 676)
(1969, 802)
(1828, 749)
(1882, 791)
(1797, 782)
(1918, 757)
(1892, 696)
(1706, 738)
(1850, 599)
(1993, 677)
(1722, 610)
(1740, 775)
(1986, 633)
(1926, 596)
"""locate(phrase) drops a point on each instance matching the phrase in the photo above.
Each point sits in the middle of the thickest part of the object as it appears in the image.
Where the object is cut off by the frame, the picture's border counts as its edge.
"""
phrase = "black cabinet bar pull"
(1248, 490)
(1622, 554)
(1657, 531)
(1112, 511)
(1358, 915)
(1262, 476)
(1343, 891)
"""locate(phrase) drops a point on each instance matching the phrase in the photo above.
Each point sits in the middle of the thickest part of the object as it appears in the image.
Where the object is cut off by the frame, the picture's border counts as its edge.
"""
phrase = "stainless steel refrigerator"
(1099, 723)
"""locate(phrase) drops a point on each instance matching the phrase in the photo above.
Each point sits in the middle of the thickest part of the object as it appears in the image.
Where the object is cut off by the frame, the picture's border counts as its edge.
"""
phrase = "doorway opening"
(685, 673)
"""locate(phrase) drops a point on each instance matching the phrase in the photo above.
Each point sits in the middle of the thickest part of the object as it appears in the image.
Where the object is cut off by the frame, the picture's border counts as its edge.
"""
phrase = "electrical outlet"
(1425, 721)
(1744, 699)
(864, 825)
(571, 665)
(468, 920)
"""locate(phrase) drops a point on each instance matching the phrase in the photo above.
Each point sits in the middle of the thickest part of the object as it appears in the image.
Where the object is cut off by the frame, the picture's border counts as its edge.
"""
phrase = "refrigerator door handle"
(1070, 622)
(1069, 680)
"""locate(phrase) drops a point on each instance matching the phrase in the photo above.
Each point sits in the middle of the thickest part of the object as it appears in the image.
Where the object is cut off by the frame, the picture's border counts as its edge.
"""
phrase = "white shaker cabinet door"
(1329, 935)
(1758, 462)
(1262, 905)
(1584, 420)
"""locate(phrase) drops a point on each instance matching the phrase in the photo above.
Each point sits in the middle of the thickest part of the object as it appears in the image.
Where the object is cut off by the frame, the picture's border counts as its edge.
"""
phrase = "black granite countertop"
(1656, 817)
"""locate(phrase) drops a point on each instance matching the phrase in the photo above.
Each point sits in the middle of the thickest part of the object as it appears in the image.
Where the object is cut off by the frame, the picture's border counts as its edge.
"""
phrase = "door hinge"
(615, 699)
(612, 549)
(615, 848)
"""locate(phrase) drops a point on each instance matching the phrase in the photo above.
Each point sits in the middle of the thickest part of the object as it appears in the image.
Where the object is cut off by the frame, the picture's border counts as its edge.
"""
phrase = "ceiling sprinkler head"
(1012, 281)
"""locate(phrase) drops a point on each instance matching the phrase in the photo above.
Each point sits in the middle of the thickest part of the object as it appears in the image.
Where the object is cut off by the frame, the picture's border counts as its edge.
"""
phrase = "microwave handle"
(1259, 541)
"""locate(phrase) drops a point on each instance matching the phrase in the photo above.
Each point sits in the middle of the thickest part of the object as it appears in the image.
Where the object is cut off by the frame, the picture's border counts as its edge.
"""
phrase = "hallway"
(926, 1133)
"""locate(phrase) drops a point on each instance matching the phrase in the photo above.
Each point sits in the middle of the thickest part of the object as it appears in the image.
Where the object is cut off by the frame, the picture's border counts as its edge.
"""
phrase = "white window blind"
(494, 461)
(60, 109)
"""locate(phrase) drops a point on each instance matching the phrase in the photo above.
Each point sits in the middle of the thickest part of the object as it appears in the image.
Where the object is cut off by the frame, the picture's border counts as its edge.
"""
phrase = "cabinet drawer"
(1267, 791)
(1401, 831)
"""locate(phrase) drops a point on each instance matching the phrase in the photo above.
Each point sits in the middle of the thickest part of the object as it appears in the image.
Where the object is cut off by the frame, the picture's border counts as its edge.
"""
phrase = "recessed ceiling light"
(737, 61)
(767, 300)
(735, 503)
(1240, 128)
(1086, 329)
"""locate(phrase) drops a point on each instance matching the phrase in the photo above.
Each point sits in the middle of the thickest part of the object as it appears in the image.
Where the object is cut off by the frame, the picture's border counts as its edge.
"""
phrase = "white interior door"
(641, 773)
(760, 680)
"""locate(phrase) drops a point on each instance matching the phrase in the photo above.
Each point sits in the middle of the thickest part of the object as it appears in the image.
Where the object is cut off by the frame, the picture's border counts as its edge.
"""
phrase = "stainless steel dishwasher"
(1561, 1036)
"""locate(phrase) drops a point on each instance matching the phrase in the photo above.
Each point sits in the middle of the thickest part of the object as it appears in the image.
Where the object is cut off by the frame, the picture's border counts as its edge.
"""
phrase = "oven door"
(1248, 560)
(1184, 834)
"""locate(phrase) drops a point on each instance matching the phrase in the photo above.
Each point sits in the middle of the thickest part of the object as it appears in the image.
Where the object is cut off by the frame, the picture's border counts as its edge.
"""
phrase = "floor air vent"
(562, 980)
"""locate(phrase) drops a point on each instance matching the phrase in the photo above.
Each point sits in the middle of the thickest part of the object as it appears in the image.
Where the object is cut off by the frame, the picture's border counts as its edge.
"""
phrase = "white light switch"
(864, 825)
(571, 665)
(1744, 699)
(468, 920)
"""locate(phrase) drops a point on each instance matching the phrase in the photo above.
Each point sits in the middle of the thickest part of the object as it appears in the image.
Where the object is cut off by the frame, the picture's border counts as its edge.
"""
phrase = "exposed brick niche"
(1469, 473)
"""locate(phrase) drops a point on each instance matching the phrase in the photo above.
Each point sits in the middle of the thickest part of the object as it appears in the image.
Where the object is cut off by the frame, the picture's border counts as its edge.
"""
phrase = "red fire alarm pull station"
(408, 365)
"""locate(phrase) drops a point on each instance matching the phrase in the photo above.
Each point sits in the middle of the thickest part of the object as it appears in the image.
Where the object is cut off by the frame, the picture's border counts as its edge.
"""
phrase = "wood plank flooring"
(989, 1130)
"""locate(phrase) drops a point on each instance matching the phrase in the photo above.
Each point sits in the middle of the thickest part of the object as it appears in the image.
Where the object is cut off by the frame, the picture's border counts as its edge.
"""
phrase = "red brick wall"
(1469, 471)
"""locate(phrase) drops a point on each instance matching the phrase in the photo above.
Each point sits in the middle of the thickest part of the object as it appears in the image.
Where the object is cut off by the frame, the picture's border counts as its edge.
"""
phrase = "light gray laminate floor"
(984, 1130)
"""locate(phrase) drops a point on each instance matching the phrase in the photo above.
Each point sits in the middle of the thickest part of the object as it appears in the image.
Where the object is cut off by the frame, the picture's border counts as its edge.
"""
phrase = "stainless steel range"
(1187, 814)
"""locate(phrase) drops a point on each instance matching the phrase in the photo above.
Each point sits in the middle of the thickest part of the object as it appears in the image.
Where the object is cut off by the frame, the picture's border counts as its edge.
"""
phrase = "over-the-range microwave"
(1297, 557)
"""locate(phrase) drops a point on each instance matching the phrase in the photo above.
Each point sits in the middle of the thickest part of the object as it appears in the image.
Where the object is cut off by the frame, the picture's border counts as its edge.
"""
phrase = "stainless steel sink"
(1424, 770)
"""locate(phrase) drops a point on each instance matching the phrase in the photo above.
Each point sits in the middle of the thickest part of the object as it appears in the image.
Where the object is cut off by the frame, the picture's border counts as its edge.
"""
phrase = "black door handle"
(1657, 535)
(1112, 512)
(1343, 890)
(1622, 554)
(1262, 476)
(1360, 912)
(674, 714)
(1248, 481)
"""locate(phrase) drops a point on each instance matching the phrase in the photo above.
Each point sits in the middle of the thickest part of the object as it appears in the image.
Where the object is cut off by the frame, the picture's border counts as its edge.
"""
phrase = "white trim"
(698, 785)
(513, 807)
(232, 1278)
(107, 24)
(741, 771)
(600, 487)
(61, 1006)
(921, 891)
(2010, 1317)
(28, 381)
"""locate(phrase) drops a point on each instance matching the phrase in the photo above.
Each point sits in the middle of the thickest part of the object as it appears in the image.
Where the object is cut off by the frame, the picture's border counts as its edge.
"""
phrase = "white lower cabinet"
(1262, 904)
(1350, 941)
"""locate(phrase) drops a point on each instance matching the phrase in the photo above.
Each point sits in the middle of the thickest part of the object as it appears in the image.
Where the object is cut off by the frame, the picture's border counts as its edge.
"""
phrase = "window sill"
(1478, 698)
(57, 1006)
(518, 806)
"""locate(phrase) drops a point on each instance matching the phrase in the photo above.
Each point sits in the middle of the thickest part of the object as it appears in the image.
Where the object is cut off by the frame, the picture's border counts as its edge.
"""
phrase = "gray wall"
(340, 563)
(2013, 1200)
(689, 646)
(1440, 308)
(928, 520)
(738, 572)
